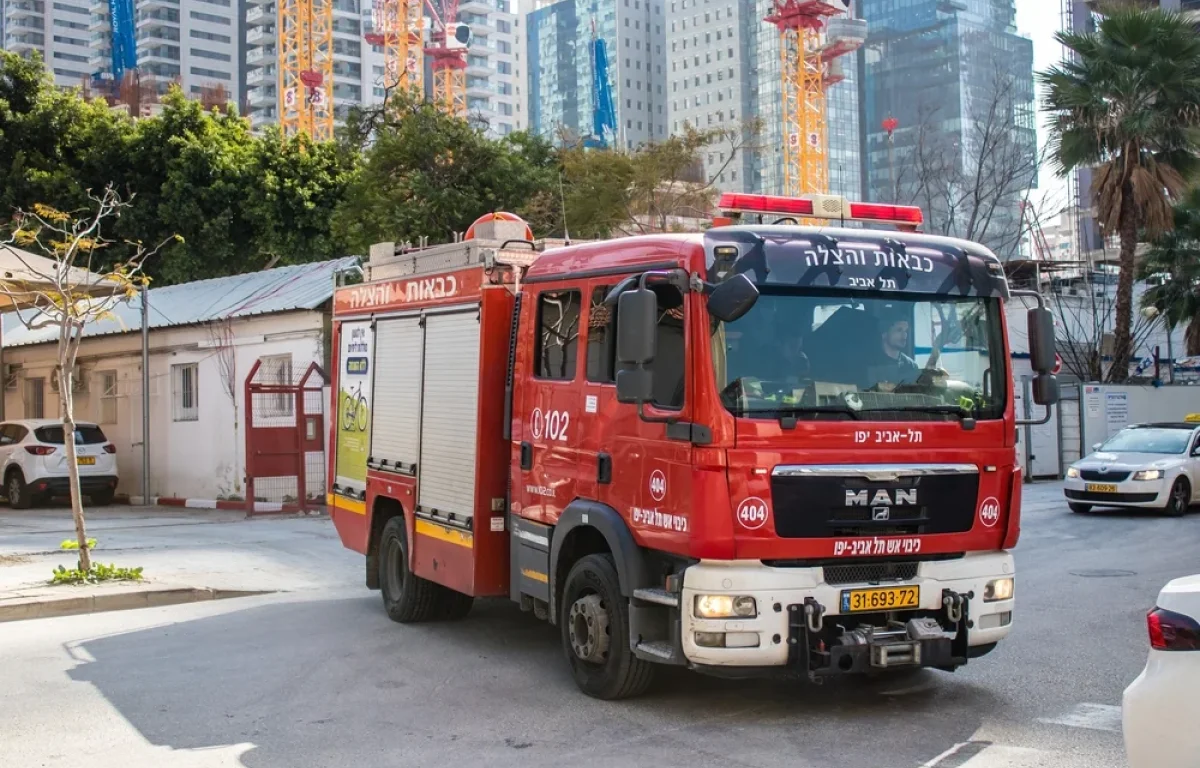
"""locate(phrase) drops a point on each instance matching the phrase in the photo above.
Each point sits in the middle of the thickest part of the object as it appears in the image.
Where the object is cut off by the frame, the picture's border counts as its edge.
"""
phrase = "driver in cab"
(892, 366)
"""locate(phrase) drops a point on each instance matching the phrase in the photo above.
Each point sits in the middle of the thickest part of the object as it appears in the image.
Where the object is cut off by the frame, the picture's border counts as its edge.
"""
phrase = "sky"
(1039, 20)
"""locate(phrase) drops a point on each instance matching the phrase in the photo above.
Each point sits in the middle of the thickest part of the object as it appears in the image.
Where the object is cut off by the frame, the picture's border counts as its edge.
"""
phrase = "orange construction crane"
(306, 67)
(398, 30)
(448, 57)
(806, 55)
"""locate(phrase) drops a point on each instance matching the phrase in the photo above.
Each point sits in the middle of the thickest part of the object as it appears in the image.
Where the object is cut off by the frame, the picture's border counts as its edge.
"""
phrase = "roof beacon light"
(830, 207)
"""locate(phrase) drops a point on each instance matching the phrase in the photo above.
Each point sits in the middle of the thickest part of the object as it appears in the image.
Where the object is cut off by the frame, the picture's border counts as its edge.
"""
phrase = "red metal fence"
(285, 439)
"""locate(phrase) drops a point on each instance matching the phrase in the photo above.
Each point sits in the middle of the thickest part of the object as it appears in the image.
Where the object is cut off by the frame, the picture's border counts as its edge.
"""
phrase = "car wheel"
(18, 492)
(1082, 509)
(406, 597)
(102, 498)
(1181, 496)
(595, 632)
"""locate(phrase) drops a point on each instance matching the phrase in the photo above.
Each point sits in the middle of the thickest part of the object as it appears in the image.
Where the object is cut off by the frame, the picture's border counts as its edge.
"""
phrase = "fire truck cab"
(761, 448)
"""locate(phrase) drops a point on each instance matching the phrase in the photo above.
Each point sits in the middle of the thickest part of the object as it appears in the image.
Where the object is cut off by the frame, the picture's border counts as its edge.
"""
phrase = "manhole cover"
(1102, 573)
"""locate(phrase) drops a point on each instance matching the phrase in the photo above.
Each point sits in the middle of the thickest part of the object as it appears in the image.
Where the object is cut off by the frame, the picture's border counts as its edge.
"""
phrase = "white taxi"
(1155, 466)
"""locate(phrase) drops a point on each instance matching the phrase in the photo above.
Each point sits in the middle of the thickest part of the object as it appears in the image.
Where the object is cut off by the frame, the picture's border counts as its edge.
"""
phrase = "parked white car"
(33, 462)
(1161, 704)
(1155, 466)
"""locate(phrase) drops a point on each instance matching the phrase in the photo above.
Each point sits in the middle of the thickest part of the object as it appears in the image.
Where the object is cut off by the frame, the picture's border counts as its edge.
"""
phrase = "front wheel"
(595, 632)
(1081, 509)
(1180, 498)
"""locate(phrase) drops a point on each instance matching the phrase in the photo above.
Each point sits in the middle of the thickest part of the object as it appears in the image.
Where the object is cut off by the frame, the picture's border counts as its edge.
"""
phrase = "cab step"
(657, 596)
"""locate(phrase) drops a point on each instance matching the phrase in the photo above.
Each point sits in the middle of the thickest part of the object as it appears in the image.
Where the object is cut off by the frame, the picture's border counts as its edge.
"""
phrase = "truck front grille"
(870, 573)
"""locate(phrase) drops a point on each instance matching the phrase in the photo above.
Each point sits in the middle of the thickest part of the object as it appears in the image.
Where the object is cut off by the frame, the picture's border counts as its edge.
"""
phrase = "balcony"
(260, 15)
(24, 9)
(261, 76)
(260, 35)
(260, 55)
(475, 6)
(23, 43)
(150, 5)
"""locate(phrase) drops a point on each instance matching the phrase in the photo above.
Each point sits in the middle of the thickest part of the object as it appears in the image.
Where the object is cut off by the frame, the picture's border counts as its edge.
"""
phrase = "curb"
(260, 507)
(38, 608)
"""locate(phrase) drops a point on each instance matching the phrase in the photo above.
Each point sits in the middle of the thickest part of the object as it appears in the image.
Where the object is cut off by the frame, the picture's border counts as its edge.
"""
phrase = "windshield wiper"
(965, 417)
(788, 414)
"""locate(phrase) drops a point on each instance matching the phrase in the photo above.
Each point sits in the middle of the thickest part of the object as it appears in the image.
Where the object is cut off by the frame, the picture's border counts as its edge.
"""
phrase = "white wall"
(1107, 408)
(188, 459)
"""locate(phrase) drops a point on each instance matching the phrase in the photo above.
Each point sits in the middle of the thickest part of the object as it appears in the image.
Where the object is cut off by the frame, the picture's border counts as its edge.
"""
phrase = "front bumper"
(779, 636)
(1130, 493)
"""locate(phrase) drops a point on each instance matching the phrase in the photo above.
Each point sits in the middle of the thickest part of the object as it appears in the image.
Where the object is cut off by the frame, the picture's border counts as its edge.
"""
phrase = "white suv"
(33, 461)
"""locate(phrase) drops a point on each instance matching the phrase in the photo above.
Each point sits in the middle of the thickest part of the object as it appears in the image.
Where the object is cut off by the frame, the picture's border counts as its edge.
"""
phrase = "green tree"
(54, 146)
(1172, 267)
(1127, 104)
(429, 174)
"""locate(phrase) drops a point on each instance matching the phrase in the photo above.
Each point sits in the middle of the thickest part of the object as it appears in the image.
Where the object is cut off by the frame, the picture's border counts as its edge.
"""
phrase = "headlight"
(725, 607)
(1072, 472)
(1148, 474)
(998, 589)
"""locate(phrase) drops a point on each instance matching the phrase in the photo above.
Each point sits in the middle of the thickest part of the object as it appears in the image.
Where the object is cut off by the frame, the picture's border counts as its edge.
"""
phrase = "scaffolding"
(306, 67)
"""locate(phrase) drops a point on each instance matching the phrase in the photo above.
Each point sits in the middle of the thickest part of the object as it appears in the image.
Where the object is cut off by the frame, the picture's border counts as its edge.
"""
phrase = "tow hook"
(814, 615)
(954, 603)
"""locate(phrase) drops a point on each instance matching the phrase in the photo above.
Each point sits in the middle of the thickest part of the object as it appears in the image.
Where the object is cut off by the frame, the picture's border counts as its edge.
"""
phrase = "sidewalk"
(186, 555)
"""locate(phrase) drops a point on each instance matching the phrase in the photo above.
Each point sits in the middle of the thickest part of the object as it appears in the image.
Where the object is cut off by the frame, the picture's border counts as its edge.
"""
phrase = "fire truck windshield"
(846, 354)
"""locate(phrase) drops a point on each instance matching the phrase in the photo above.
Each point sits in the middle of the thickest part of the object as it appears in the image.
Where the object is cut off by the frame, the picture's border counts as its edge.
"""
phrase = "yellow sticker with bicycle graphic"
(355, 363)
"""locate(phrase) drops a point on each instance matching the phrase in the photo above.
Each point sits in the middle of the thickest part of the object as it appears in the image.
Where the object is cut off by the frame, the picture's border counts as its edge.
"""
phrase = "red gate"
(285, 439)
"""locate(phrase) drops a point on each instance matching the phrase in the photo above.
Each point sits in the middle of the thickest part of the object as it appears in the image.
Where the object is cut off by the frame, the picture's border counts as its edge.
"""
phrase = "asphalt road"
(322, 678)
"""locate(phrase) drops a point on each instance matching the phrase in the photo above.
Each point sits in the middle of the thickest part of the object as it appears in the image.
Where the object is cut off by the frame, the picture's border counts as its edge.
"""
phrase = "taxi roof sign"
(1192, 418)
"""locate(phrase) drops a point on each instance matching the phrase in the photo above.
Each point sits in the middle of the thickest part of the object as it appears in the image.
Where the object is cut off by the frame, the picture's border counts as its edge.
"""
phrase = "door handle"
(604, 469)
(526, 455)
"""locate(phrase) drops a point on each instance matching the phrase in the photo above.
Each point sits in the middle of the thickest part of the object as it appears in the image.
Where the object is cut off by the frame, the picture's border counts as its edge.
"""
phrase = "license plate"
(86, 461)
(880, 599)
(1101, 488)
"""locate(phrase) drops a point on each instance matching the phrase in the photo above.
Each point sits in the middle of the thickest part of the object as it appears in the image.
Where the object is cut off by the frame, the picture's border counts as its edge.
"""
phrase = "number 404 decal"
(552, 425)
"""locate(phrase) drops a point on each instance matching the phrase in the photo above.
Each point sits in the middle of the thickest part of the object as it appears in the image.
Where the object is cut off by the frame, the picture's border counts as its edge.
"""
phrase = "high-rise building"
(562, 96)
(495, 65)
(955, 76)
(711, 54)
(194, 44)
(58, 30)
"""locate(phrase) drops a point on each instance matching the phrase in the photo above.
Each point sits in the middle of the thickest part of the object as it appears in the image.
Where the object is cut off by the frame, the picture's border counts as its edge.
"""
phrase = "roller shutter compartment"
(396, 429)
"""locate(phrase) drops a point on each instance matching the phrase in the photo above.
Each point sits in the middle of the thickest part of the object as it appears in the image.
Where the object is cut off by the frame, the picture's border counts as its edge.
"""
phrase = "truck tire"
(1179, 500)
(1079, 509)
(406, 597)
(454, 605)
(595, 632)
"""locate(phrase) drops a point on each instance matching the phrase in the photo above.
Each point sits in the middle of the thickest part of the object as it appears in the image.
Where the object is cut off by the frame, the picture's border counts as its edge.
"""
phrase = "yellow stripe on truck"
(529, 573)
(346, 503)
(442, 533)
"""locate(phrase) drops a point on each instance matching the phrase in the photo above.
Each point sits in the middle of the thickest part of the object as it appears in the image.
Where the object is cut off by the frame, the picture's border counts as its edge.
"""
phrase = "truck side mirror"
(1096, 446)
(1042, 356)
(637, 321)
(1041, 340)
(732, 298)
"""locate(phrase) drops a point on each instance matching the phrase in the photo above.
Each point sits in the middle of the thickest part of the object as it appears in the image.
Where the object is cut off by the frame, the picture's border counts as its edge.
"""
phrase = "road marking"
(1096, 717)
(984, 754)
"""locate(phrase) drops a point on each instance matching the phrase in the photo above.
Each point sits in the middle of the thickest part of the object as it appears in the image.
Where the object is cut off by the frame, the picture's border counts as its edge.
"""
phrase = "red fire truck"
(765, 447)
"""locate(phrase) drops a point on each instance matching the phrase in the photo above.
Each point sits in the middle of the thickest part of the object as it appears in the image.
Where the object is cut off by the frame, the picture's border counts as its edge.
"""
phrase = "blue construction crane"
(124, 40)
(604, 112)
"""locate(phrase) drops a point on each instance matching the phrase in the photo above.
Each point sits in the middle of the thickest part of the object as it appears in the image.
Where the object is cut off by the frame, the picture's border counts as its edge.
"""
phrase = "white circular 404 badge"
(989, 512)
(658, 485)
(752, 513)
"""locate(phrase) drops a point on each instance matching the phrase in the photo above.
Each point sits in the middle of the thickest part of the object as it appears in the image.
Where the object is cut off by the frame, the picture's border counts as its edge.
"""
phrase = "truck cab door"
(548, 407)
(633, 465)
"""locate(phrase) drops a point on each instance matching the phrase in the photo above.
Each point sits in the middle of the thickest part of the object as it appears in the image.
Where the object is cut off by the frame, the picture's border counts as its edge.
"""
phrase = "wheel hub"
(588, 627)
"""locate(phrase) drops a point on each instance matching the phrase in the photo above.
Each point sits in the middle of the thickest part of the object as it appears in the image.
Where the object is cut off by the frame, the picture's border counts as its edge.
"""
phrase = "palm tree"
(1127, 104)
(1173, 265)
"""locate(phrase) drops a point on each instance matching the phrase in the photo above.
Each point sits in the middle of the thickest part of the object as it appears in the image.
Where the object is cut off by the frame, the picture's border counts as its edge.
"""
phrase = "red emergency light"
(830, 207)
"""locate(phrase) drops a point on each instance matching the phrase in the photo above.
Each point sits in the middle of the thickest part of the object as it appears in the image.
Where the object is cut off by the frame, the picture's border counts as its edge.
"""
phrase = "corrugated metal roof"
(304, 286)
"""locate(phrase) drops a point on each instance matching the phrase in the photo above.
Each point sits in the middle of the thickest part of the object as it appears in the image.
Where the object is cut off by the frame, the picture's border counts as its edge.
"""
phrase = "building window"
(35, 398)
(558, 334)
(185, 397)
(108, 397)
(276, 370)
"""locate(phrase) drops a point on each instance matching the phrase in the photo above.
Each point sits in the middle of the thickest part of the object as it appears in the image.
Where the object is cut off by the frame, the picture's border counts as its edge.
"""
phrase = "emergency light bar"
(832, 207)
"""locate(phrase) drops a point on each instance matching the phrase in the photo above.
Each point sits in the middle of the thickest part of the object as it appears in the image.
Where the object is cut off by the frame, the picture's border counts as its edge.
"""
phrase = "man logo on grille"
(882, 498)
(881, 513)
